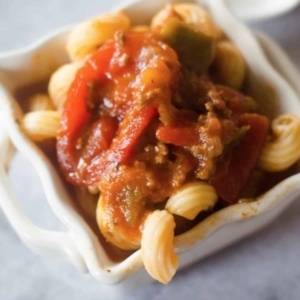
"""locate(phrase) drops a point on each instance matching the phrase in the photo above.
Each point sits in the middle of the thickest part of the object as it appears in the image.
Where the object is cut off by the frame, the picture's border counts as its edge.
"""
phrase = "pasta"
(158, 254)
(191, 199)
(41, 125)
(283, 150)
(191, 14)
(112, 231)
(40, 102)
(154, 119)
(139, 28)
(228, 66)
(60, 82)
(91, 34)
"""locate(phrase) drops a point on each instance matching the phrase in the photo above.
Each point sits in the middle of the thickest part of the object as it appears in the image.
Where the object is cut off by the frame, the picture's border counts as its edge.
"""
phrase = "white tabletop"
(264, 266)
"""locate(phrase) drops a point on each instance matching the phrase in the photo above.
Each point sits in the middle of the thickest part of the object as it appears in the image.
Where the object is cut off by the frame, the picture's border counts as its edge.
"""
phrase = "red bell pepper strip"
(82, 159)
(75, 114)
(233, 170)
(130, 129)
(100, 137)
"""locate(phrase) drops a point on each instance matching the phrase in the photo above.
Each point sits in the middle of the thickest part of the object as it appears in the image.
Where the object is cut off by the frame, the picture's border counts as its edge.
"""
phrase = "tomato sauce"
(131, 69)
(137, 125)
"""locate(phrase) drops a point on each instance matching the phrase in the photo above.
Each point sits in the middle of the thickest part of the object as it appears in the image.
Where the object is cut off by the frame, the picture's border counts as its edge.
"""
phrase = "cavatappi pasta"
(42, 124)
(158, 254)
(228, 65)
(88, 36)
(60, 82)
(282, 150)
(40, 102)
(191, 14)
(191, 199)
(153, 118)
(114, 233)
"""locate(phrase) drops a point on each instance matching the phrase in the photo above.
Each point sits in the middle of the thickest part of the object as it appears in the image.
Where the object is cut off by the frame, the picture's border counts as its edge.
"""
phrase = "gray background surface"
(264, 266)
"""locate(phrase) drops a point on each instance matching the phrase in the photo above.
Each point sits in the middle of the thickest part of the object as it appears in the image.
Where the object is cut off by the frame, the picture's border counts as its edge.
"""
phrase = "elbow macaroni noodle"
(283, 151)
(191, 199)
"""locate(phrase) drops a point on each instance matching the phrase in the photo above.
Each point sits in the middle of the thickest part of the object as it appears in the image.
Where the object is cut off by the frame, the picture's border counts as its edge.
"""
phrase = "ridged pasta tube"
(86, 37)
(41, 125)
(40, 102)
(191, 199)
(283, 150)
(191, 14)
(112, 231)
(228, 66)
(60, 82)
(157, 248)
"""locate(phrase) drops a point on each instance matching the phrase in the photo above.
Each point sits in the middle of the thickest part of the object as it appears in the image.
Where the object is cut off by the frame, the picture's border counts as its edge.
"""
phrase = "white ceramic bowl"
(275, 84)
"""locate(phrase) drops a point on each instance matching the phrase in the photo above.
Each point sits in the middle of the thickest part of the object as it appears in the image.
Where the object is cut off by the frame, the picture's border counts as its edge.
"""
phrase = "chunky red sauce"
(137, 125)
(116, 94)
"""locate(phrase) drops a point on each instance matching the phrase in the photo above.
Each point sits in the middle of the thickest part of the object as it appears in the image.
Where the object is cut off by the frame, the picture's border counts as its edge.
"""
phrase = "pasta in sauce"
(153, 119)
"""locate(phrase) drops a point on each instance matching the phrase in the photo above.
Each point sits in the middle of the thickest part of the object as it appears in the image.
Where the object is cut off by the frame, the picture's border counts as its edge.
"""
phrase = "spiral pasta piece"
(41, 125)
(191, 14)
(86, 37)
(60, 82)
(157, 248)
(40, 102)
(112, 231)
(139, 28)
(191, 199)
(283, 151)
(228, 66)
